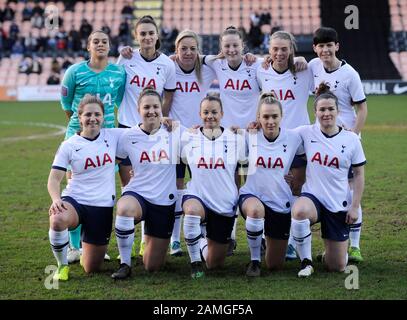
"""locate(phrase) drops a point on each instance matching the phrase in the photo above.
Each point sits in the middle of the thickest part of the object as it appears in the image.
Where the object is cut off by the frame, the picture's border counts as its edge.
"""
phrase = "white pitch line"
(61, 130)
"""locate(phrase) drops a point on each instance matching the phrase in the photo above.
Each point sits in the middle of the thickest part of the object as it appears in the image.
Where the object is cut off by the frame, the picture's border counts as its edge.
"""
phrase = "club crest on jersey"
(111, 82)
(268, 163)
(325, 160)
(285, 147)
(211, 164)
(158, 70)
(284, 94)
(343, 148)
(188, 87)
(143, 82)
(154, 156)
(237, 85)
(98, 161)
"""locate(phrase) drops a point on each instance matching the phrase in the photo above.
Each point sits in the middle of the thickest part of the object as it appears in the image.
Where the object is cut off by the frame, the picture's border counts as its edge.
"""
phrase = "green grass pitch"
(25, 251)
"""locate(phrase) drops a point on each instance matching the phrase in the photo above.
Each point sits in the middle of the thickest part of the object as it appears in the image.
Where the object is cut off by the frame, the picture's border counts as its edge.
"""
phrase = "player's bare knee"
(299, 214)
(57, 222)
(254, 213)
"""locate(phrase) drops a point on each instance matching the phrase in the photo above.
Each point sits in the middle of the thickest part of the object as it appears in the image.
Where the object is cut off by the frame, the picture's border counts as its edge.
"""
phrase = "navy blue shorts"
(333, 224)
(218, 227)
(276, 225)
(96, 222)
(181, 167)
(298, 162)
(159, 220)
(124, 162)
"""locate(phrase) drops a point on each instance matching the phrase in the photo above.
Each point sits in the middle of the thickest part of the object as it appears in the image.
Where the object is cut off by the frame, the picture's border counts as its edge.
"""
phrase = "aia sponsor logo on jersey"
(325, 160)
(284, 94)
(237, 85)
(269, 163)
(211, 163)
(154, 156)
(98, 161)
(143, 82)
(188, 87)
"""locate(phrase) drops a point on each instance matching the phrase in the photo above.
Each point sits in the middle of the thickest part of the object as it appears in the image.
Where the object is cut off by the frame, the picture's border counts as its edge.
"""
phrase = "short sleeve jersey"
(292, 91)
(189, 94)
(328, 163)
(268, 163)
(153, 158)
(93, 167)
(213, 164)
(239, 91)
(158, 73)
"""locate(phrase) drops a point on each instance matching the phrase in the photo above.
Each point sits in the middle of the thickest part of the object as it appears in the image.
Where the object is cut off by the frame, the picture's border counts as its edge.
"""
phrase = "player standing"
(292, 88)
(145, 67)
(238, 86)
(345, 83)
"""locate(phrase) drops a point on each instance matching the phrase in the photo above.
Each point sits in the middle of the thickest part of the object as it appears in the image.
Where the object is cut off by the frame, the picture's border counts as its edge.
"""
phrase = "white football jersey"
(93, 167)
(239, 91)
(268, 163)
(292, 91)
(158, 73)
(328, 163)
(153, 158)
(189, 94)
(213, 164)
(345, 84)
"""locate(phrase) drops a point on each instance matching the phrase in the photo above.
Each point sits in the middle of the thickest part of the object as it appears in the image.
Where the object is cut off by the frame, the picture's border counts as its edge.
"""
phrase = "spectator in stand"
(55, 67)
(38, 9)
(127, 11)
(28, 11)
(30, 43)
(74, 39)
(36, 66)
(17, 48)
(105, 28)
(85, 30)
(67, 63)
(254, 19)
(255, 38)
(69, 5)
(265, 17)
(124, 31)
(8, 13)
(14, 31)
(25, 65)
(37, 21)
(53, 79)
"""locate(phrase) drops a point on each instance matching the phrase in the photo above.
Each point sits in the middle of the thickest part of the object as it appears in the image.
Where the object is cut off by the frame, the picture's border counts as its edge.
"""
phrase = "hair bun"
(322, 88)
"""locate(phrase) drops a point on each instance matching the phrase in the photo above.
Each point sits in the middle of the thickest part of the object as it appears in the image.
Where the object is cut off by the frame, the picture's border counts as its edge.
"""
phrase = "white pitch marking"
(61, 130)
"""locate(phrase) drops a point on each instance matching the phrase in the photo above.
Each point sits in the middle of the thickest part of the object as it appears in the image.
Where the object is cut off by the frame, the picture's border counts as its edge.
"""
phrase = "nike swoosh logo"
(224, 69)
(313, 141)
(78, 149)
(267, 79)
(134, 142)
(399, 90)
(82, 84)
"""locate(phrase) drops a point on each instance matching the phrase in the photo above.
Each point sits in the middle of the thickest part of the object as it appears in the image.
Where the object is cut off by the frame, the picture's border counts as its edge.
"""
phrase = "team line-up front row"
(210, 201)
